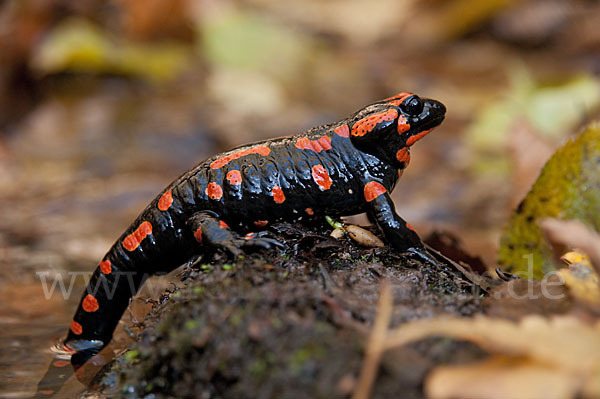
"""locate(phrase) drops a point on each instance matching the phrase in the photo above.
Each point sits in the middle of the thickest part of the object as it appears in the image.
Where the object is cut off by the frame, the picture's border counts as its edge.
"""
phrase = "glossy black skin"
(351, 163)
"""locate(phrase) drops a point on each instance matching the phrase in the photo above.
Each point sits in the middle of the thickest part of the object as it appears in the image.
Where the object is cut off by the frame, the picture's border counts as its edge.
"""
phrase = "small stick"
(375, 344)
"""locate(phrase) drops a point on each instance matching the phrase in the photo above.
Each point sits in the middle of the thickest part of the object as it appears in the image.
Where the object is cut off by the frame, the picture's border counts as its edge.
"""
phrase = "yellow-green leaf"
(567, 188)
(77, 45)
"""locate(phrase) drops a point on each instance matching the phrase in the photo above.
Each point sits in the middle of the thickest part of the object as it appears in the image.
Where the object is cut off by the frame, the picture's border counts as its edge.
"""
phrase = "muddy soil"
(290, 324)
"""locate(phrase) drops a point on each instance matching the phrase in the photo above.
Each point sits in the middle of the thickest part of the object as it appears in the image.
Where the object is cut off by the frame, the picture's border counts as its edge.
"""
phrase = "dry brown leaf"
(529, 152)
(363, 237)
(561, 341)
(500, 378)
(541, 357)
(573, 234)
(562, 347)
(592, 387)
(580, 278)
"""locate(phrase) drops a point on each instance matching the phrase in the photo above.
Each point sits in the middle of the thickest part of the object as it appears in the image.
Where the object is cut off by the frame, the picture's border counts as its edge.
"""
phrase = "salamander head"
(387, 128)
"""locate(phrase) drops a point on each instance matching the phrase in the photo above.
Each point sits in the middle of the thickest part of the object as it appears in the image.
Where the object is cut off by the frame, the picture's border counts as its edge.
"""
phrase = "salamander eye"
(412, 105)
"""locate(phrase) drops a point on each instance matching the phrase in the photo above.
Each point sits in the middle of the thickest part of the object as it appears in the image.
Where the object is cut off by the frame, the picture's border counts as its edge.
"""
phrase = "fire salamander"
(343, 168)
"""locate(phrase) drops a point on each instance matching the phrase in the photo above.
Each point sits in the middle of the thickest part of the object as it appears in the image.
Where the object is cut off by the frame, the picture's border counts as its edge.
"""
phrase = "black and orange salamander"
(343, 168)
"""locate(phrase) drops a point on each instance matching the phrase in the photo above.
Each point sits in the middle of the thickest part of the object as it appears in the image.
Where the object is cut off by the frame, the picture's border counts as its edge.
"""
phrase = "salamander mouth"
(433, 122)
(433, 114)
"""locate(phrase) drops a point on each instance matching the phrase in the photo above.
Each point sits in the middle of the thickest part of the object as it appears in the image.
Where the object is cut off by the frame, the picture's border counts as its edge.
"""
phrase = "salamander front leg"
(209, 229)
(397, 231)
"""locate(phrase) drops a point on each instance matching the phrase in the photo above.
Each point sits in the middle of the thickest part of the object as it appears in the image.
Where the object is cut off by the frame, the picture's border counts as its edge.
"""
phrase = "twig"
(375, 345)
(472, 277)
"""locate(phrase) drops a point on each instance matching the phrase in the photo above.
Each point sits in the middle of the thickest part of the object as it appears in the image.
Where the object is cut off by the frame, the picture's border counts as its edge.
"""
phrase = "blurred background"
(103, 103)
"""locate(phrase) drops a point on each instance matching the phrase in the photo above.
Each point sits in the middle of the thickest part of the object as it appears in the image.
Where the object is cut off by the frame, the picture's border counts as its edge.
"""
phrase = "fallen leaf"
(574, 234)
(580, 277)
(529, 152)
(76, 45)
(500, 378)
(582, 283)
(363, 237)
(569, 188)
(563, 349)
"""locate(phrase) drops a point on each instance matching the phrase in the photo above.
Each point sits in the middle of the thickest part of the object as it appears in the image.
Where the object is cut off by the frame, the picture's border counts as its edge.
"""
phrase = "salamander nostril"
(436, 108)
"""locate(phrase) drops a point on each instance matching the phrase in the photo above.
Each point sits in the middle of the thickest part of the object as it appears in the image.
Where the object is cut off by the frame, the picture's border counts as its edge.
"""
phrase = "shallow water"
(32, 327)
(36, 313)
(68, 187)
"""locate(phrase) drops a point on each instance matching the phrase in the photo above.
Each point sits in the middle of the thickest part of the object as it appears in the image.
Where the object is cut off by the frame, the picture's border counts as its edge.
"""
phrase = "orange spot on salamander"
(214, 191)
(61, 363)
(260, 150)
(342, 131)
(403, 155)
(223, 225)
(90, 304)
(165, 201)
(368, 123)
(76, 328)
(399, 97)
(309, 211)
(410, 227)
(325, 142)
(321, 177)
(318, 145)
(47, 391)
(303, 143)
(105, 266)
(261, 223)
(278, 195)
(198, 235)
(413, 139)
(403, 125)
(234, 177)
(133, 240)
(373, 190)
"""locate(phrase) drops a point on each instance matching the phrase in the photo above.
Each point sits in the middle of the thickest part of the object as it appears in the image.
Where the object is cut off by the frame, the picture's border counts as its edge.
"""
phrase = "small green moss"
(276, 322)
(206, 268)
(191, 324)
(227, 266)
(258, 367)
(303, 355)
(235, 319)
(131, 356)
(197, 290)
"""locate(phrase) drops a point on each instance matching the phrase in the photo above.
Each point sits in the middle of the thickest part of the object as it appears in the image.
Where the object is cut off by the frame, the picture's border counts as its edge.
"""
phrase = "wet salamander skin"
(339, 169)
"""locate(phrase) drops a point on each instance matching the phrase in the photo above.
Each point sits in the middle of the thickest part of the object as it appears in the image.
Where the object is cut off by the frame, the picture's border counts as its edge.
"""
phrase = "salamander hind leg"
(209, 229)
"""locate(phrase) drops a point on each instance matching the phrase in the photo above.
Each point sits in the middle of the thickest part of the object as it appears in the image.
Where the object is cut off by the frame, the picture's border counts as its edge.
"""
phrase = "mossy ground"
(289, 324)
